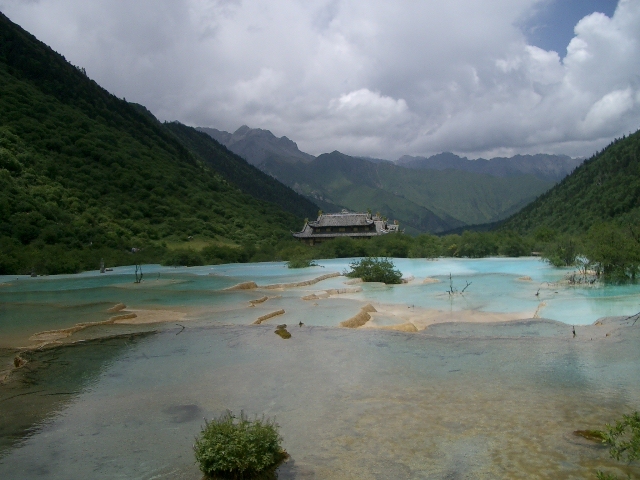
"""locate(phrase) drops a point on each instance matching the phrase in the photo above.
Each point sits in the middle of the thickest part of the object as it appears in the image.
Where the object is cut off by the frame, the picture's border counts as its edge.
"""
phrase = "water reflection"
(49, 380)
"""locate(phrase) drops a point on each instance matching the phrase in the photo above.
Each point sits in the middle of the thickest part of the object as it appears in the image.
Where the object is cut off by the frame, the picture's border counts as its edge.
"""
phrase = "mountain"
(85, 175)
(257, 145)
(605, 188)
(546, 167)
(236, 170)
(421, 200)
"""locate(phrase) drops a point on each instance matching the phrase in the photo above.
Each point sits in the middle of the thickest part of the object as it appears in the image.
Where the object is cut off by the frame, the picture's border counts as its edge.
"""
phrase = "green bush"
(233, 448)
(373, 269)
(623, 440)
(301, 263)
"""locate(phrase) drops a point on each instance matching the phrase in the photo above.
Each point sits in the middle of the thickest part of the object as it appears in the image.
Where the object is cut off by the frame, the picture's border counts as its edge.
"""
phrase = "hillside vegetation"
(85, 175)
(592, 217)
(605, 188)
(422, 200)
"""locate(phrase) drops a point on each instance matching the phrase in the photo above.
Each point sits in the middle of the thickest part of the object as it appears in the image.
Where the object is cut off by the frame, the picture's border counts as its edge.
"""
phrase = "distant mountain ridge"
(433, 194)
(256, 145)
(548, 167)
(421, 200)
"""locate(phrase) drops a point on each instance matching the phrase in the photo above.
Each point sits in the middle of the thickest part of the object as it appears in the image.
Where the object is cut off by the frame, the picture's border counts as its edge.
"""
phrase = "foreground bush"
(237, 448)
(623, 440)
(373, 269)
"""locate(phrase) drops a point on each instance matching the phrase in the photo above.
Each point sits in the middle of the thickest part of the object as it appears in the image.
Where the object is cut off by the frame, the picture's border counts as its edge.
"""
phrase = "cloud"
(372, 78)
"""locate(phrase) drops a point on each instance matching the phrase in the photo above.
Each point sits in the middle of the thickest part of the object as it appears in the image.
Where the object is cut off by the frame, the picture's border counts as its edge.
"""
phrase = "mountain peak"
(257, 145)
(243, 130)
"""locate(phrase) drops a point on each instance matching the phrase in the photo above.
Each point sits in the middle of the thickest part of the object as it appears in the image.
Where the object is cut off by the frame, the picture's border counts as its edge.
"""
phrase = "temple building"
(344, 224)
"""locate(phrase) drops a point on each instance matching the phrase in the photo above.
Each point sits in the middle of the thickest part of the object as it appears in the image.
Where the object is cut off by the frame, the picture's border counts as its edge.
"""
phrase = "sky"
(374, 78)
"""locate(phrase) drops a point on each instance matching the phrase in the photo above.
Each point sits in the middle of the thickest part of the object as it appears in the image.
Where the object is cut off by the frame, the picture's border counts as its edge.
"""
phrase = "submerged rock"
(282, 332)
(360, 318)
(268, 316)
(243, 286)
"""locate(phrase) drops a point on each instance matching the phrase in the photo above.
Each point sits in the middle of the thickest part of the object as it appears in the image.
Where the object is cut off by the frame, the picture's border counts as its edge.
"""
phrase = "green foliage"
(613, 251)
(85, 175)
(426, 246)
(372, 269)
(301, 263)
(592, 214)
(605, 188)
(236, 170)
(562, 252)
(606, 476)
(422, 200)
(182, 257)
(215, 254)
(234, 448)
(623, 440)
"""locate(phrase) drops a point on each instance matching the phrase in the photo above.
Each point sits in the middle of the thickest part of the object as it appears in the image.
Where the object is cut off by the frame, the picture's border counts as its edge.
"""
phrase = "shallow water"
(456, 400)
(351, 404)
(31, 305)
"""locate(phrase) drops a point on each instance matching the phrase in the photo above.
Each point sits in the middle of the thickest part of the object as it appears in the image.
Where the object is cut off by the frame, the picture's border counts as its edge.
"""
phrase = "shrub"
(301, 263)
(373, 269)
(623, 440)
(233, 448)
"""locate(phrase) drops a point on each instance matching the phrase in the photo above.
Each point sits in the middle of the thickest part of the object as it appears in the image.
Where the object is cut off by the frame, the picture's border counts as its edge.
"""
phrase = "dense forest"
(85, 175)
(605, 188)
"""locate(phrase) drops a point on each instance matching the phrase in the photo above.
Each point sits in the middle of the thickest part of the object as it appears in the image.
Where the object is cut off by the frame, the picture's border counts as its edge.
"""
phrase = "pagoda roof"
(342, 220)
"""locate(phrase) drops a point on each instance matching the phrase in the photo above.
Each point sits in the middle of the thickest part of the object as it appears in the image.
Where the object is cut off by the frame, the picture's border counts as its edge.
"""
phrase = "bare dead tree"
(138, 273)
(452, 290)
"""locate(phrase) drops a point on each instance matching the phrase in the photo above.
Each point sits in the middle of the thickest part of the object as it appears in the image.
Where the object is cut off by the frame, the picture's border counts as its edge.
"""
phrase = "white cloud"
(366, 77)
(608, 111)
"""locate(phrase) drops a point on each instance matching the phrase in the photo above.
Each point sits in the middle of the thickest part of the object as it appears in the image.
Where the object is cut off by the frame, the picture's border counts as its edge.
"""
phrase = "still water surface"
(456, 400)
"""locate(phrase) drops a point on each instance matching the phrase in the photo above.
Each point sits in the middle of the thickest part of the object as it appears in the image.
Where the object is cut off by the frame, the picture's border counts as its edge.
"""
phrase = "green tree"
(615, 252)
(425, 246)
(373, 269)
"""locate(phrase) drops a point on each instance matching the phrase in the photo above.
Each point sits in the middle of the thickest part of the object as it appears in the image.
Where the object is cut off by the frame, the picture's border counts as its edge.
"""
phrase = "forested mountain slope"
(605, 188)
(85, 175)
(422, 200)
(238, 171)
